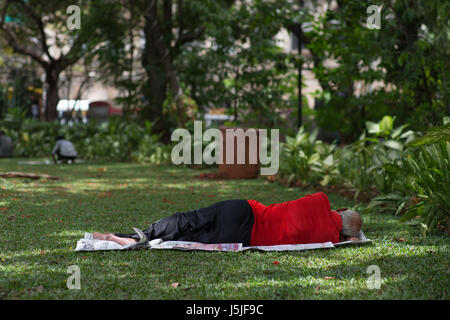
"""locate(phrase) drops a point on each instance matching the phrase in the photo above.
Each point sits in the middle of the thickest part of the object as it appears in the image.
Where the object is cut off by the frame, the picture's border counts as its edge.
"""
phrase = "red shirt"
(305, 220)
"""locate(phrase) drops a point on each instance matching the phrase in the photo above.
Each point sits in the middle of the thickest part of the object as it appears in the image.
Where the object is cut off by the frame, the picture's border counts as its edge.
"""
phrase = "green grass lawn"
(42, 220)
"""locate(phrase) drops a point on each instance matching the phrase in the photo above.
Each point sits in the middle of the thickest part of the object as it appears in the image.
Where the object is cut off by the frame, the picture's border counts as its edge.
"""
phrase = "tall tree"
(243, 66)
(169, 27)
(118, 58)
(39, 30)
(219, 53)
(400, 69)
(295, 27)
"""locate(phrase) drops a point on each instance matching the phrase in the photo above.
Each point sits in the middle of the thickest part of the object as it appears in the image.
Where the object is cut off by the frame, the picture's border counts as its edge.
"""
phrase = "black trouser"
(229, 221)
(63, 158)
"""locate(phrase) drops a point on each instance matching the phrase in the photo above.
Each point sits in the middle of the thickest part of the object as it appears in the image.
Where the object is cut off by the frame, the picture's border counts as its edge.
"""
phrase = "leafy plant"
(117, 139)
(423, 183)
(414, 70)
(297, 156)
(354, 162)
(388, 150)
(307, 160)
(366, 163)
(428, 168)
(328, 164)
(434, 135)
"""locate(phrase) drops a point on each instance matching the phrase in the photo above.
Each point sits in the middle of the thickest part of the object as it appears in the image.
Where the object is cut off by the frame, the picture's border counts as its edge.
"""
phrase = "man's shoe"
(143, 240)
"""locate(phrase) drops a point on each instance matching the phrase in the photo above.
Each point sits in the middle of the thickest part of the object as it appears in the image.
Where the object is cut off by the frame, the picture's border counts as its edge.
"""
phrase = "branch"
(16, 44)
(40, 25)
(5, 8)
(17, 47)
(27, 175)
(83, 83)
(74, 54)
(189, 36)
(397, 17)
(185, 37)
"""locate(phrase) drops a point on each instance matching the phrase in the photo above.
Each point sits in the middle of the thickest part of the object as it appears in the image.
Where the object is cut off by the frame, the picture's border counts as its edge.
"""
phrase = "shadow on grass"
(45, 219)
(329, 273)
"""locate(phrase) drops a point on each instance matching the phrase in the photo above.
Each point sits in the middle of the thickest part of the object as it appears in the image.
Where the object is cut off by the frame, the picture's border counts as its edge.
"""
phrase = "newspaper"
(362, 239)
(88, 243)
(186, 245)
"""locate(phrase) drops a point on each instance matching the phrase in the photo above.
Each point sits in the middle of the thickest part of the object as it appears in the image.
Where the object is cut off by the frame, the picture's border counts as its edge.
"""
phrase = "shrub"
(307, 160)
(429, 167)
(365, 164)
(117, 139)
(424, 186)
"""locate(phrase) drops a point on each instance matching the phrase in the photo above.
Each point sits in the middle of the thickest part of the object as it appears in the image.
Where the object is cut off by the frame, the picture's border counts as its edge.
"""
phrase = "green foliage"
(410, 176)
(362, 165)
(43, 220)
(354, 164)
(386, 151)
(307, 160)
(340, 36)
(429, 167)
(244, 69)
(3, 99)
(18, 77)
(400, 69)
(116, 139)
(434, 135)
(422, 173)
(365, 164)
(30, 137)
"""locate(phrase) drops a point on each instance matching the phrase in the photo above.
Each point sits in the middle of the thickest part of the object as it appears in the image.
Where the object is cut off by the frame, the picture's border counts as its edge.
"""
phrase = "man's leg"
(233, 224)
(112, 237)
(186, 226)
(64, 159)
(170, 228)
(224, 221)
(57, 157)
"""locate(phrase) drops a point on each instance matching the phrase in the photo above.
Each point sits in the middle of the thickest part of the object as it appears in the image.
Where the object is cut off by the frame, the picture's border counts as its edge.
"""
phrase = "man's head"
(351, 223)
(60, 137)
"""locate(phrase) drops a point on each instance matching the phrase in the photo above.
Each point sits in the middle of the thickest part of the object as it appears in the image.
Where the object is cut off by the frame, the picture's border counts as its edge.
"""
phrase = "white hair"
(351, 223)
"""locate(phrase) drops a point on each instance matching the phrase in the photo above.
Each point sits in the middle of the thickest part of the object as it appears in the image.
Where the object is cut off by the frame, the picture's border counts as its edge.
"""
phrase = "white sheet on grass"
(46, 161)
(88, 243)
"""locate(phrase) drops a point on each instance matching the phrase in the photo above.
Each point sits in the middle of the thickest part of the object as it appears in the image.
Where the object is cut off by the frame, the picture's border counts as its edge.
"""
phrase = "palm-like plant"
(428, 167)
(423, 174)
(298, 156)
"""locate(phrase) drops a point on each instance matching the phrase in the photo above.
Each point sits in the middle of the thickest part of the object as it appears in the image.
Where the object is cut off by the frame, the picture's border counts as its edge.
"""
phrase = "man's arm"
(56, 147)
(54, 151)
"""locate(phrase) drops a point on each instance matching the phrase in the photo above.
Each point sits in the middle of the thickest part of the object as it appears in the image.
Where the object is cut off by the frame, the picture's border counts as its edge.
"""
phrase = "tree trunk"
(51, 79)
(299, 86)
(156, 37)
(157, 85)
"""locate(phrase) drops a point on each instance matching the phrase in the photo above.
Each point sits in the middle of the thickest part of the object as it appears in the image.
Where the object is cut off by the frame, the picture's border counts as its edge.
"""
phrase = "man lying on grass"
(305, 220)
